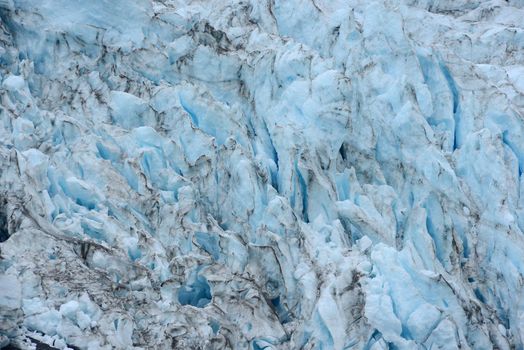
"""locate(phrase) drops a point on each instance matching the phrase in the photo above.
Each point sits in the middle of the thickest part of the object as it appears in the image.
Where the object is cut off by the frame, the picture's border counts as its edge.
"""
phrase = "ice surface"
(298, 174)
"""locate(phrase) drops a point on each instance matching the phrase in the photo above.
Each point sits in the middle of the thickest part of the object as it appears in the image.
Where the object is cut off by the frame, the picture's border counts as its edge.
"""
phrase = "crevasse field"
(262, 174)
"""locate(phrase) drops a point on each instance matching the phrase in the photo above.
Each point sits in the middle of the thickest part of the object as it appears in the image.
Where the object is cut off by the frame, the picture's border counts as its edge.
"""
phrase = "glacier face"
(281, 174)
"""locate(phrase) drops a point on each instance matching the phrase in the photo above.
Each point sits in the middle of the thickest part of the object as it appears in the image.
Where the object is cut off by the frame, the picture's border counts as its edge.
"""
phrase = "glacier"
(262, 174)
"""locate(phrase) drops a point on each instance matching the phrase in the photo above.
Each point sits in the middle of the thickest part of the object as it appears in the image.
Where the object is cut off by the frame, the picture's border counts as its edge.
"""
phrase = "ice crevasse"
(262, 174)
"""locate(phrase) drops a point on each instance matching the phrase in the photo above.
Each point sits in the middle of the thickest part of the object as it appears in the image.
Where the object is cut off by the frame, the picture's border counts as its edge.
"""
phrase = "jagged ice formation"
(262, 174)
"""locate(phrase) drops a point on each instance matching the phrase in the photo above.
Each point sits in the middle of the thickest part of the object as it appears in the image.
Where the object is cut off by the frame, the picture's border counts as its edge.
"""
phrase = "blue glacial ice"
(262, 174)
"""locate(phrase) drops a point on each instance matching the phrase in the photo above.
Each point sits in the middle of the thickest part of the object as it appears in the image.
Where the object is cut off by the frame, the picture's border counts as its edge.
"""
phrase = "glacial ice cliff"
(262, 174)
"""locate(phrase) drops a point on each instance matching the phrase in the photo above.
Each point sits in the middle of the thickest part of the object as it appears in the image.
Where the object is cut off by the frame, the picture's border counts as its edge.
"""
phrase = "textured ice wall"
(281, 174)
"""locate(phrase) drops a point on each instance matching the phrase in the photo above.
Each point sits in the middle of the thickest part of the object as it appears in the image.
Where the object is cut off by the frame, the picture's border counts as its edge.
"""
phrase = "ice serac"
(262, 174)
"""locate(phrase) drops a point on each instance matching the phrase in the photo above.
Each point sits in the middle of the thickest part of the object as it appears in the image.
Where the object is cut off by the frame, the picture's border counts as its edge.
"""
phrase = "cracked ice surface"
(281, 174)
